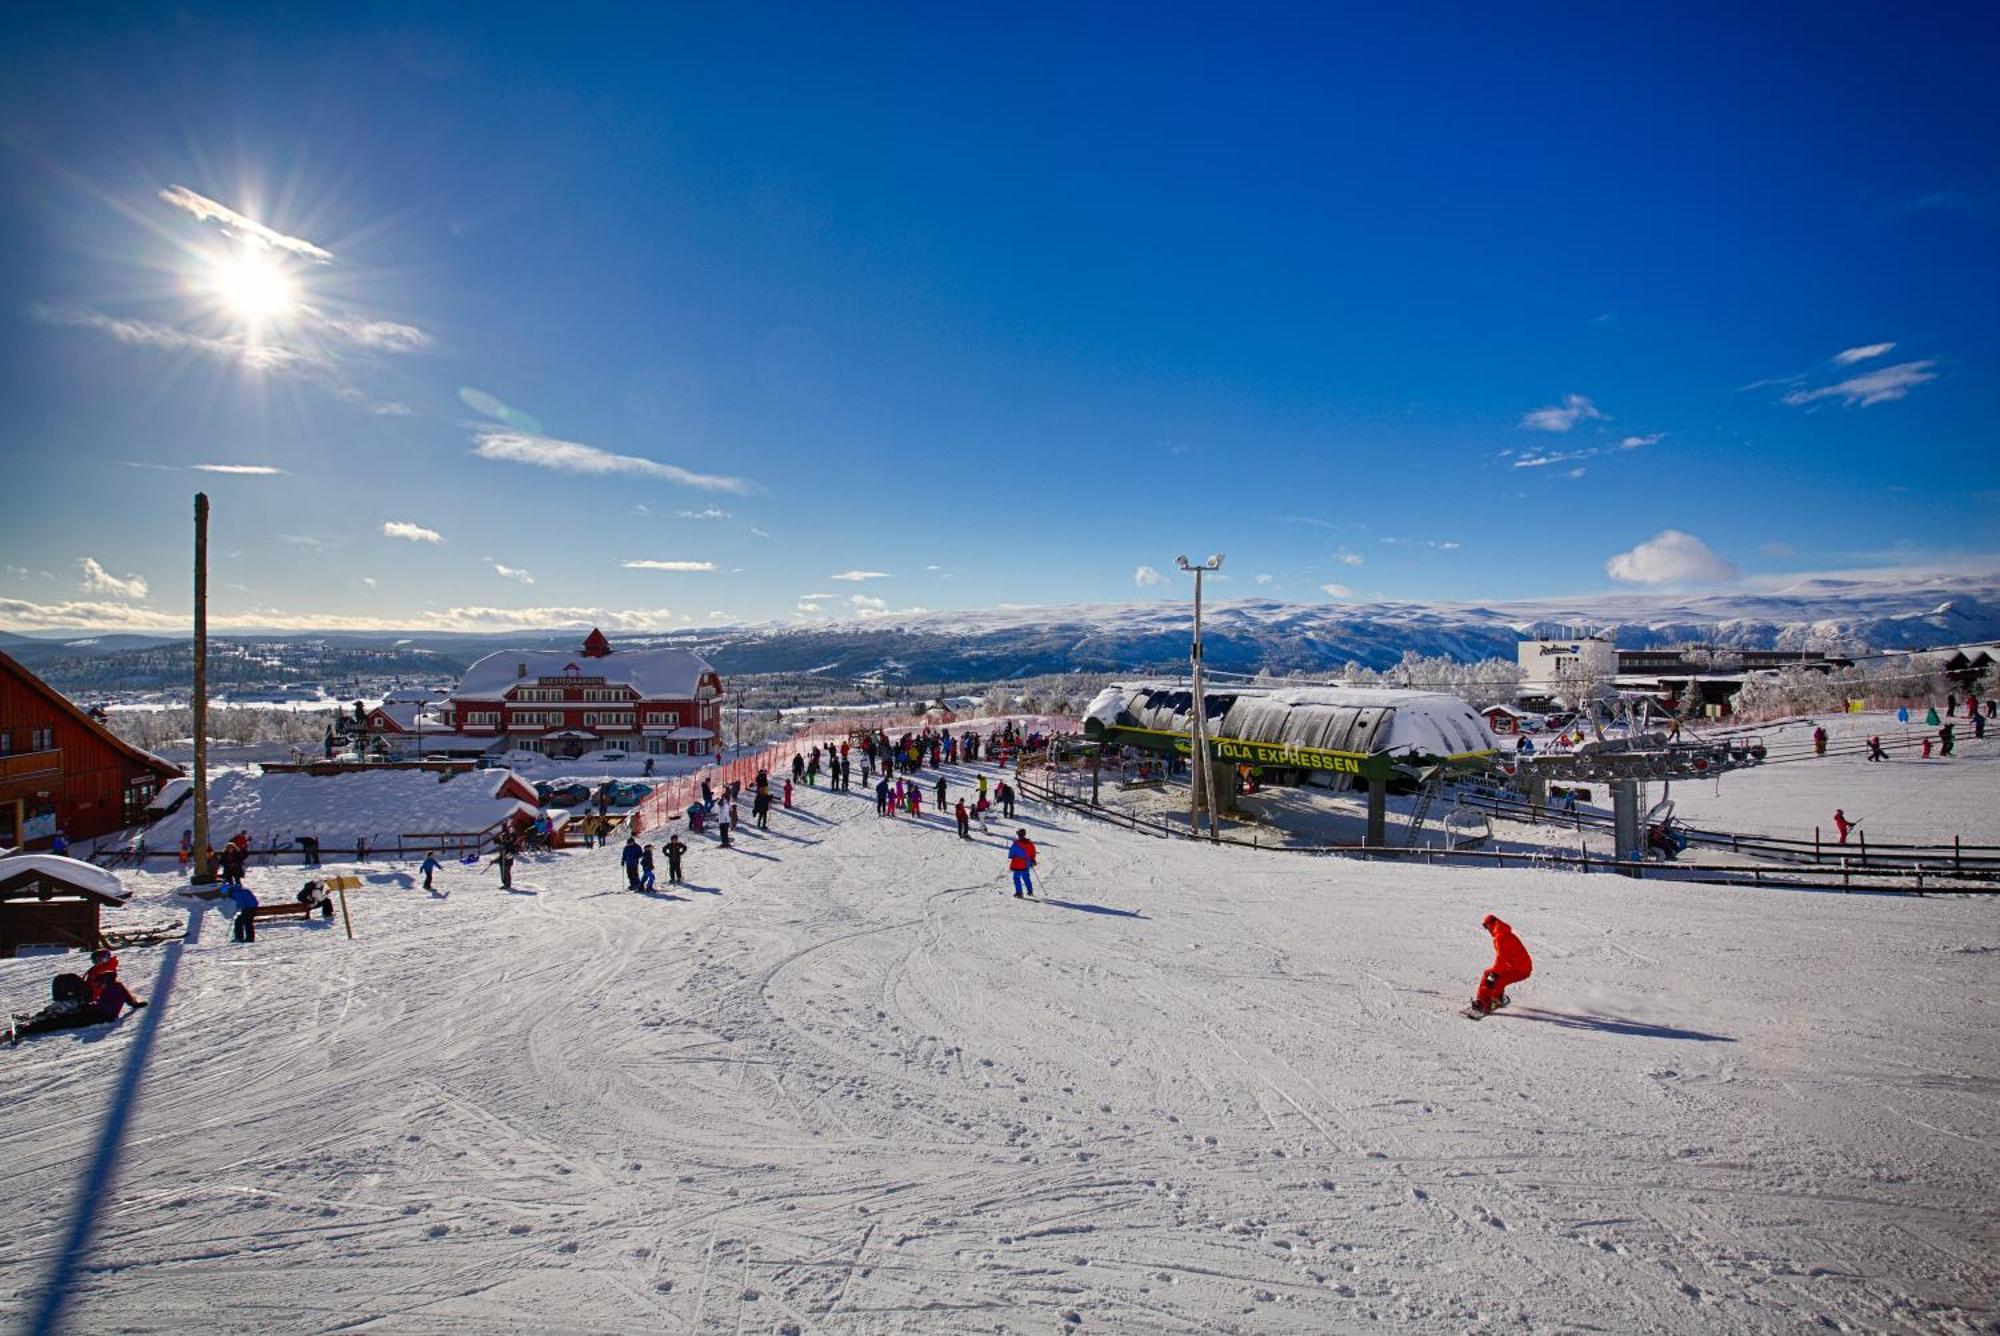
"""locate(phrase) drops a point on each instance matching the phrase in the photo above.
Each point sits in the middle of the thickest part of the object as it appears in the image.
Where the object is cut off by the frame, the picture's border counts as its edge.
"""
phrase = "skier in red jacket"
(1510, 965)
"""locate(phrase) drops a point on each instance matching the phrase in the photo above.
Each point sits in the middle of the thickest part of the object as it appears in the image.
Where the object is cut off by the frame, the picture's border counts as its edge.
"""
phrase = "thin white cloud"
(1576, 472)
(1640, 442)
(388, 336)
(1264, 579)
(149, 334)
(816, 598)
(240, 228)
(367, 582)
(97, 580)
(856, 577)
(240, 470)
(1337, 590)
(705, 513)
(866, 602)
(1670, 557)
(1351, 558)
(758, 533)
(1883, 386)
(574, 457)
(1573, 409)
(686, 567)
(514, 573)
(1146, 577)
(414, 533)
(1849, 356)
(1447, 545)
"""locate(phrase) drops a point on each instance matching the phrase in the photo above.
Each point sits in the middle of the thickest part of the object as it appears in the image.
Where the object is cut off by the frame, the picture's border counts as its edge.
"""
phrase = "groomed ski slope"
(843, 1082)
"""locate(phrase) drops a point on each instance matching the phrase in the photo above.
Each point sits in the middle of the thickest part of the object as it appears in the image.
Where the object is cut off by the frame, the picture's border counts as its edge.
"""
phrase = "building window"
(42, 739)
(6, 744)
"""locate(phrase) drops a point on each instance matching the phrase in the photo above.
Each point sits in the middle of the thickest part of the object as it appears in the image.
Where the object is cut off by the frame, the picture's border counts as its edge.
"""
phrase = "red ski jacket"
(1509, 956)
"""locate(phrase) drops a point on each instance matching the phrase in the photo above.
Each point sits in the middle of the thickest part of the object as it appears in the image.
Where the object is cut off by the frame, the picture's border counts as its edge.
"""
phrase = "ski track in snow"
(844, 1082)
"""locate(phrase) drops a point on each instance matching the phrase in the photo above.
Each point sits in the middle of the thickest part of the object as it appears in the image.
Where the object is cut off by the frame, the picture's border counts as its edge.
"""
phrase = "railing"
(1958, 855)
(1851, 875)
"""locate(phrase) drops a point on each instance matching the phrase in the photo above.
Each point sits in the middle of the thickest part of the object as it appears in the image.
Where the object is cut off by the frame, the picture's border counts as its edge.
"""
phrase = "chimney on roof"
(520, 670)
(595, 646)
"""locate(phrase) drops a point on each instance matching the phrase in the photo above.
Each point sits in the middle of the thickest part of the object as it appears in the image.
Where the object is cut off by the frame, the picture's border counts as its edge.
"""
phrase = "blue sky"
(685, 317)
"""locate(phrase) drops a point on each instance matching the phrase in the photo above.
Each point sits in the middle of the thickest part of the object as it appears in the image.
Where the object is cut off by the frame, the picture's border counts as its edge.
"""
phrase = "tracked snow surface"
(842, 1081)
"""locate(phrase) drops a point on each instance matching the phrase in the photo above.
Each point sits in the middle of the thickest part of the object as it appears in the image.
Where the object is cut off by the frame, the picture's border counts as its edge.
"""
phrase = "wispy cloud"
(1670, 557)
(1336, 590)
(1641, 442)
(388, 336)
(856, 577)
(1573, 409)
(97, 580)
(1347, 558)
(758, 533)
(150, 334)
(414, 533)
(514, 573)
(1146, 577)
(816, 598)
(240, 470)
(686, 567)
(1883, 386)
(706, 513)
(240, 228)
(1849, 356)
(867, 602)
(1265, 579)
(1536, 459)
(575, 457)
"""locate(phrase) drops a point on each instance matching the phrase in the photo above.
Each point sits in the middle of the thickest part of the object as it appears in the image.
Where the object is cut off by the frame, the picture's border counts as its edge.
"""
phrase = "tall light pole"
(203, 873)
(1202, 785)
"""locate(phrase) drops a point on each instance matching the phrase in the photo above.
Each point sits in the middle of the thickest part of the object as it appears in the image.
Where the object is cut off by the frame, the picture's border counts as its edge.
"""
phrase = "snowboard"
(1473, 1013)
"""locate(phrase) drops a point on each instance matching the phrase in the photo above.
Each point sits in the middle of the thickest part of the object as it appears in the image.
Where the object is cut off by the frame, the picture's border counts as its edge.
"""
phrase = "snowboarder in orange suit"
(1510, 965)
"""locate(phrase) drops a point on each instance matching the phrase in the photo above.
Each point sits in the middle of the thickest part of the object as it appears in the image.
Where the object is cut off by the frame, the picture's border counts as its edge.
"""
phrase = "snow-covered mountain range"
(1823, 612)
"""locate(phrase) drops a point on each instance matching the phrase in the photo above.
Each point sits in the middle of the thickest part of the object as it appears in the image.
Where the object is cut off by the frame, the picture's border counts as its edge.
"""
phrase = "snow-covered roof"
(378, 803)
(170, 793)
(404, 714)
(1338, 718)
(74, 871)
(690, 734)
(656, 674)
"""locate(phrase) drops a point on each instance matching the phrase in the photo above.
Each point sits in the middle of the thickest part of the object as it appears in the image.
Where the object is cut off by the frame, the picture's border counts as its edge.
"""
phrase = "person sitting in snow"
(77, 1001)
(1511, 964)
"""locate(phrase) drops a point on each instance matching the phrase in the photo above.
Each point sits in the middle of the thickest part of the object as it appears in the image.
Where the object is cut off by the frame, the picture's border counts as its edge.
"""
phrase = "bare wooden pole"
(203, 873)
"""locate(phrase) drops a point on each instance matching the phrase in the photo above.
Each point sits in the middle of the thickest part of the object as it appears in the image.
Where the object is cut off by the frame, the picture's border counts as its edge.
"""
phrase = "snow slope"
(842, 1082)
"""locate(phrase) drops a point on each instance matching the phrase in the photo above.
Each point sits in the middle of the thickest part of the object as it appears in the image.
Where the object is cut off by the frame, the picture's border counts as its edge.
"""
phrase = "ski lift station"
(1329, 735)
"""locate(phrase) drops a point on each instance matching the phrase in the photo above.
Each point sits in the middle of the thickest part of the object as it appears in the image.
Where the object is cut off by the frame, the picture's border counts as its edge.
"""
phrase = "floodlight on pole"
(1202, 779)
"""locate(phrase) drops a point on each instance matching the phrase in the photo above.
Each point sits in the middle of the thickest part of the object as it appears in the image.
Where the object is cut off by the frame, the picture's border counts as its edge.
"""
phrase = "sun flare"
(252, 289)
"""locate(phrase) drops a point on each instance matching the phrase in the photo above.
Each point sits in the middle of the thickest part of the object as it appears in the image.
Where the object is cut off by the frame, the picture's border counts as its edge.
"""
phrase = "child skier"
(1511, 964)
(430, 867)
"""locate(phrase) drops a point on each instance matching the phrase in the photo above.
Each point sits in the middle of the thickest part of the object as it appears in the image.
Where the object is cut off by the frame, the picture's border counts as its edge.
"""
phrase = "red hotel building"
(645, 701)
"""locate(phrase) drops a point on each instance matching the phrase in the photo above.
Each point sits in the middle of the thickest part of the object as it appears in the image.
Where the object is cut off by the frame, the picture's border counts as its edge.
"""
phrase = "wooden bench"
(284, 909)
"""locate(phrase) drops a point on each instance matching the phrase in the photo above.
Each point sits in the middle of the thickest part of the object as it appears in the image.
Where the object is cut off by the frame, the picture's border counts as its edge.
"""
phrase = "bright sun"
(252, 289)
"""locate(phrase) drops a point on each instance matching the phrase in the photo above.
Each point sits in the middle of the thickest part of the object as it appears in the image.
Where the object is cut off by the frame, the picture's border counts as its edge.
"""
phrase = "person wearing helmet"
(1511, 964)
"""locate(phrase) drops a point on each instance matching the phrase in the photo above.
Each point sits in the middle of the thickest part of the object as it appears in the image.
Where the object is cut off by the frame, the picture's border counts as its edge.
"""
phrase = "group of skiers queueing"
(94, 998)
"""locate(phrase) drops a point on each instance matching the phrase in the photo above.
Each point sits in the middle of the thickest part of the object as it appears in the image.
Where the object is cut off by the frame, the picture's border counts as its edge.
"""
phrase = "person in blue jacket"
(246, 922)
(630, 855)
(429, 866)
(1021, 861)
